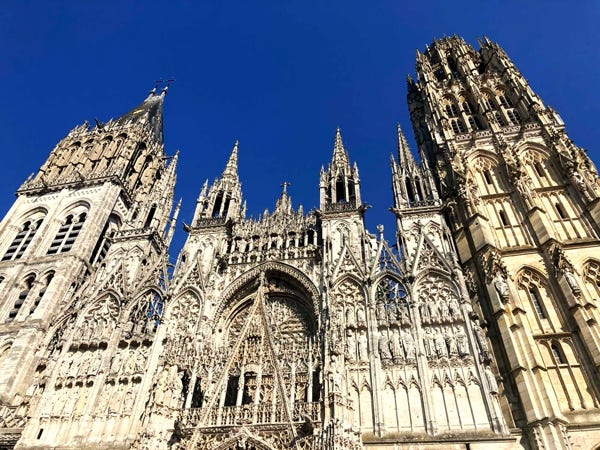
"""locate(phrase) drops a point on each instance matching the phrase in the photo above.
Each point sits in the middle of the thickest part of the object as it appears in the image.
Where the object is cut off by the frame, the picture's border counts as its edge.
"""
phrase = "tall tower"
(523, 204)
(448, 350)
(83, 269)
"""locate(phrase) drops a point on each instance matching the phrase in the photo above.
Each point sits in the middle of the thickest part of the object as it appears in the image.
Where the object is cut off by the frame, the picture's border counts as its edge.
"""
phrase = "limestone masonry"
(478, 329)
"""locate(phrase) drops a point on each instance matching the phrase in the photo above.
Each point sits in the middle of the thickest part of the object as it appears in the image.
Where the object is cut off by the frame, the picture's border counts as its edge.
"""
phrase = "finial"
(168, 82)
(284, 185)
(380, 230)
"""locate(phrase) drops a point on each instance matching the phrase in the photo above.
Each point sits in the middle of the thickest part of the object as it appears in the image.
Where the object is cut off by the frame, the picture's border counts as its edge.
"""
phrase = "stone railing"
(340, 207)
(262, 413)
(204, 222)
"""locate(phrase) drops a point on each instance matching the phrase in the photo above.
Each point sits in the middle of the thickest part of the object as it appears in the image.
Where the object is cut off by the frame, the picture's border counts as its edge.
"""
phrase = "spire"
(149, 111)
(405, 157)
(340, 182)
(171, 230)
(231, 168)
(340, 157)
(224, 197)
(284, 202)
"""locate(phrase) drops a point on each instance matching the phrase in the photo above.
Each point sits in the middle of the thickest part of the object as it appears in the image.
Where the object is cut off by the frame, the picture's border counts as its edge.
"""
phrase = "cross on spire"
(284, 185)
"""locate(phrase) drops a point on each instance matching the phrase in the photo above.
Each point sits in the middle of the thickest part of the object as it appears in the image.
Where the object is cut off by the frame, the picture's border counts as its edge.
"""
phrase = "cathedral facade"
(476, 329)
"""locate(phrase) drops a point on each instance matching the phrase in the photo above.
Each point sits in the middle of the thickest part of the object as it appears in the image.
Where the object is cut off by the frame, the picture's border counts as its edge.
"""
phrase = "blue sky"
(277, 75)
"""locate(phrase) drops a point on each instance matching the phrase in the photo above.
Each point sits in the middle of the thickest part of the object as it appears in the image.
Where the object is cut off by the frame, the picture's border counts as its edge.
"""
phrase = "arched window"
(503, 99)
(451, 110)
(67, 233)
(539, 169)
(534, 296)
(488, 102)
(340, 190)
(25, 290)
(151, 213)
(103, 244)
(475, 123)
(487, 176)
(41, 292)
(503, 218)
(146, 315)
(560, 210)
(391, 302)
(499, 119)
(557, 353)
(23, 239)
(591, 276)
(535, 292)
(458, 126)
(513, 116)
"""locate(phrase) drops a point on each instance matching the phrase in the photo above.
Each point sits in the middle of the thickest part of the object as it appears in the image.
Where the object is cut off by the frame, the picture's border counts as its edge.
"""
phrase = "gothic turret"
(223, 201)
(339, 184)
(412, 184)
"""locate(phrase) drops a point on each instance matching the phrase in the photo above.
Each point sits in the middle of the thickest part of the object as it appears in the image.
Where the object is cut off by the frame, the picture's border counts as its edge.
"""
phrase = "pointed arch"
(247, 439)
(484, 168)
(536, 293)
(31, 222)
(290, 273)
(144, 315)
(591, 277)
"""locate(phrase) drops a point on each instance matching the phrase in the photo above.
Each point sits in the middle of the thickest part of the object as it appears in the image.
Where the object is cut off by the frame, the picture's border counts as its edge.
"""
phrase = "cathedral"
(477, 328)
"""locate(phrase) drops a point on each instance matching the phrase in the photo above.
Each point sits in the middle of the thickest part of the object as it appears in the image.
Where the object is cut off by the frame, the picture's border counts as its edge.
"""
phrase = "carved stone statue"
(409, 345)
(491, 380)
(461, 341)
(336, 380)
(440, 345)
(381, 312)
(501, 286)
(363, 354)
(350, 318)
(360, 316)
(571, 280)
(350, 345)
(383, 345)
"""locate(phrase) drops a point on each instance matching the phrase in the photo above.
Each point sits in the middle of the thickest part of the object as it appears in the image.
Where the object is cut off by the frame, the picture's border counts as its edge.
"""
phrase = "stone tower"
(522, 201)
(83, 281)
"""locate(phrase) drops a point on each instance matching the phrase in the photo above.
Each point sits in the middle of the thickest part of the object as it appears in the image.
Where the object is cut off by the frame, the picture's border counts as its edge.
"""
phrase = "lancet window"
(391, 302)
(23, 238)
(40, 294)
(67, 233)
(535, 292)
(26, 287)
(591, 277)
(146, 316)
(103, 244)
(484, 171)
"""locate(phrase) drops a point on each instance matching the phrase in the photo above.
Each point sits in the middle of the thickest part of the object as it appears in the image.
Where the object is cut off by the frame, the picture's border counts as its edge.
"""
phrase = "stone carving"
(363, 354)
(491, 380)
(501, 286)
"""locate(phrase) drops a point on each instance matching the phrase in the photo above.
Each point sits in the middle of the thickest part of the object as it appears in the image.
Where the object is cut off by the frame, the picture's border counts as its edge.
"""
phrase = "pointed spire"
(340, 157)
(406, 160)
(231, 168)
(149, 111)
(284, 202)
(171, 231)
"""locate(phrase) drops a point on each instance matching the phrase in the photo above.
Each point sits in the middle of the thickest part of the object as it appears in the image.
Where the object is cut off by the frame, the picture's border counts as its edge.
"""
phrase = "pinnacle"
(339, 153)
(231, 166)
(405, 157)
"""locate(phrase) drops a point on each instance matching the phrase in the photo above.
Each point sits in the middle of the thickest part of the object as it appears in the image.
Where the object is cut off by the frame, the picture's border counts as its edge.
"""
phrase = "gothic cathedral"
(477, 328)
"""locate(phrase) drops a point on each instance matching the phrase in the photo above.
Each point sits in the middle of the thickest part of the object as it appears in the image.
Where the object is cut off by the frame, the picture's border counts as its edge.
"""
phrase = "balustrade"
(262, 413)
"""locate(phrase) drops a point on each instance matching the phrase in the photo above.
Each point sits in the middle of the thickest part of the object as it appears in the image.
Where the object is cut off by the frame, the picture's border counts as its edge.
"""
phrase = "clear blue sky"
(277, 75)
